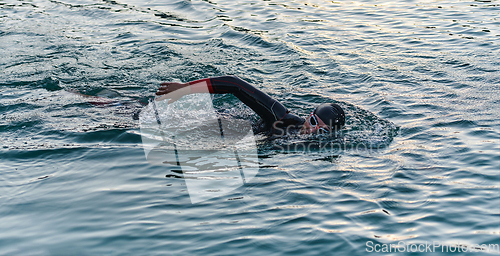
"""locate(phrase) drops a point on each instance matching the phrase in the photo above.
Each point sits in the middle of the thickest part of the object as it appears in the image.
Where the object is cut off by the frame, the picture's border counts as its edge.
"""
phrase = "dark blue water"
(420, 161)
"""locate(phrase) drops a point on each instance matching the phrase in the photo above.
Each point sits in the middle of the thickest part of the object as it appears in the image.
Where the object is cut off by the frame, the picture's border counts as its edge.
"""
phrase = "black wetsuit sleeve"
(269, 109)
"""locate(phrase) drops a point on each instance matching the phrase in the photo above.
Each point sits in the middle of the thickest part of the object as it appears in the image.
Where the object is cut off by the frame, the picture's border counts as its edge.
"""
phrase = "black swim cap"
(332, 115)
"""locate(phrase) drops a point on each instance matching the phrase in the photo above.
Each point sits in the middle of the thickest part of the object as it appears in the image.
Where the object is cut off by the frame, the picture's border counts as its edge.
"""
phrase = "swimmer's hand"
(172, 91)
(169, 87)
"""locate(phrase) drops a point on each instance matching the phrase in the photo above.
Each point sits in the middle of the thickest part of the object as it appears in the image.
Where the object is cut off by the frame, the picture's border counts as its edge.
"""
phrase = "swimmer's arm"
(266, 107)
(181, 89)
(269, 109)
(200, 86)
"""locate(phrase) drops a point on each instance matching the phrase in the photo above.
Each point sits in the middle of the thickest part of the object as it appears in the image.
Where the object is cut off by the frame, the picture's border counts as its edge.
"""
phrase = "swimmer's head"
(327, 117)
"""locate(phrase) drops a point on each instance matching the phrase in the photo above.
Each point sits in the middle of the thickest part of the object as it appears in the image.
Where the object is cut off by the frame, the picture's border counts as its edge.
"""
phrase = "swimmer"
(276, 118)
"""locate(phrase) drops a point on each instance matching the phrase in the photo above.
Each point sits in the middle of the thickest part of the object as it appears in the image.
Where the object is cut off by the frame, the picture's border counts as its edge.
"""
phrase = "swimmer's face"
(313, 124)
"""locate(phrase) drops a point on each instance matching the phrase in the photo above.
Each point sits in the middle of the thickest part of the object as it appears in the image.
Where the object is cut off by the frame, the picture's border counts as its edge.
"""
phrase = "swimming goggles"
(314, 123)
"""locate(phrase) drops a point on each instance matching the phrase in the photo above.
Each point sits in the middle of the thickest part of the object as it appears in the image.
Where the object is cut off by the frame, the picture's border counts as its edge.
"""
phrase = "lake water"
(419, 160)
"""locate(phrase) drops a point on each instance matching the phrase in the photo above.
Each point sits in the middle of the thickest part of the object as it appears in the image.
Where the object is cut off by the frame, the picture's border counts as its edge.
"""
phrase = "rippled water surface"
(420, 155)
